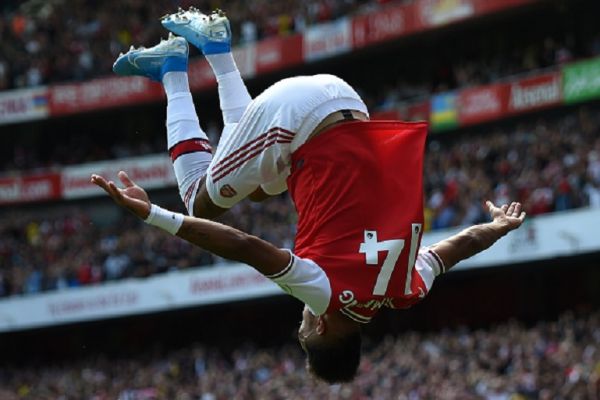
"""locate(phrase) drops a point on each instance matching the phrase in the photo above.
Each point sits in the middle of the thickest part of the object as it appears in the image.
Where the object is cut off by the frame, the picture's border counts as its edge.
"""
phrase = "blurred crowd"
(547, 164)
(552, 164)
(557, 360)
(47, 41)
(43, 251)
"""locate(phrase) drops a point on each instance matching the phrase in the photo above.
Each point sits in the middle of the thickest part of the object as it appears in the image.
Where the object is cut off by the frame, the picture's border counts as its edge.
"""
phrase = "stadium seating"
(550, 165)
(36, 49)
(547, 361)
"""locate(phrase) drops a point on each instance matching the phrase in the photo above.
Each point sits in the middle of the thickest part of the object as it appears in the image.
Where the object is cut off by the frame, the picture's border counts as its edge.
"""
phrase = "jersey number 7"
(371, 248)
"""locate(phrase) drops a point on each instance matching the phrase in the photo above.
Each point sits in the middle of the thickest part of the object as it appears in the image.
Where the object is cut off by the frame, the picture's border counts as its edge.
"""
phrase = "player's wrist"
(166, 220)
(500, 226)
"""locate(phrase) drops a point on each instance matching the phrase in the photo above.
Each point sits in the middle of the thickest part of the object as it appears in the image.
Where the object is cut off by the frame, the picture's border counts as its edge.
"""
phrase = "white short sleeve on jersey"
(428, 265)
(306, 281)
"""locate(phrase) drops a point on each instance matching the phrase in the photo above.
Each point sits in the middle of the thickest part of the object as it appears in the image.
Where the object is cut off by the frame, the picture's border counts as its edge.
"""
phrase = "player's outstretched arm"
(480, 237)
(217, 238)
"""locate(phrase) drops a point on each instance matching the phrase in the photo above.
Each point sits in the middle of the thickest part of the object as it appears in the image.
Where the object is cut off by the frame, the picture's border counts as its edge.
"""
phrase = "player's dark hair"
(335, 361)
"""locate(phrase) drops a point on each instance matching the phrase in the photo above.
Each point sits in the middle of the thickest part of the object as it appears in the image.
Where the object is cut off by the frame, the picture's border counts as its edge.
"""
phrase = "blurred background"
(95, 305)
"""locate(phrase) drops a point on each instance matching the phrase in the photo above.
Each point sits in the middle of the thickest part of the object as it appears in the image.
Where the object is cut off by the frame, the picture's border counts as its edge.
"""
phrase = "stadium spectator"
(34, 33)
(37, 49)
(551, 360)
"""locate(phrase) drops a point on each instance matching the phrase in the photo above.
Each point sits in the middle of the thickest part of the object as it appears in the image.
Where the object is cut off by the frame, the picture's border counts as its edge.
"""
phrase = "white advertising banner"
(23, 105)
(201, 286)
(327, 40)
(554, 235)
(150, 172)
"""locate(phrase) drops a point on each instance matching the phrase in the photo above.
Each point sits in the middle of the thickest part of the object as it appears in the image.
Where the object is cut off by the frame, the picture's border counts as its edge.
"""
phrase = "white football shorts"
(257, 150)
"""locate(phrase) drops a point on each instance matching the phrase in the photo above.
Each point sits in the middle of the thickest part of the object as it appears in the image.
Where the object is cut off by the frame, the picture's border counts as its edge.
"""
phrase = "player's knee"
(335, 361)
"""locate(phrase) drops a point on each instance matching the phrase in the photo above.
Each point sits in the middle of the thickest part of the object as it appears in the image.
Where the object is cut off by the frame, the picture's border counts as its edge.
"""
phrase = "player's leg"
(188, 145)
(211, 34)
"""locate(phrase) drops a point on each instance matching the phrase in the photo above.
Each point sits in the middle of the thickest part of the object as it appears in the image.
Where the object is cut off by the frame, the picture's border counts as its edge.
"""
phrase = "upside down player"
(356, 185)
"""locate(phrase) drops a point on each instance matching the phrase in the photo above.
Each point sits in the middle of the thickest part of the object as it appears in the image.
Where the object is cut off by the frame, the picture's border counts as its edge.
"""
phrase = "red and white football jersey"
(359, 196)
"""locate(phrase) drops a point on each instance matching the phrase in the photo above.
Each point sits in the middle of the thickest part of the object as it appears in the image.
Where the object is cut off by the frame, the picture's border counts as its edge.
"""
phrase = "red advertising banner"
(200, 75)
(535, 93)
(102, 93)
(278, 53)
(150, 172)
(388, 23)
(328, 40)
(23, 189)
(481, 104)
(490, 6)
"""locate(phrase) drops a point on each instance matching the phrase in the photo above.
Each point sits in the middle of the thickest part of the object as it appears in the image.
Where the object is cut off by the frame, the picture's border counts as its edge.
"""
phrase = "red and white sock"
(187, 143)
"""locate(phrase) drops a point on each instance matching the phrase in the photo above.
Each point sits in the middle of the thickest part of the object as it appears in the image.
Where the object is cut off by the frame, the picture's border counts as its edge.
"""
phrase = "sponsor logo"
(481, 102)
(346, 297)
(29, 188)
(526, 96)
(227, 191)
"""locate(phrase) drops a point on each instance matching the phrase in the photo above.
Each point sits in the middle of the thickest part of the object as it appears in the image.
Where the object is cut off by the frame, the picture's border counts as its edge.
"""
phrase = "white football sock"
(233, 95)
(222, 63)
(187, 143)
(175, 82)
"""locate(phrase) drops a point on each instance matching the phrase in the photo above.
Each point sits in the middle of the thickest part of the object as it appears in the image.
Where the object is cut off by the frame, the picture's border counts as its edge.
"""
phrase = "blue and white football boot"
(211, 34)
(154, 62)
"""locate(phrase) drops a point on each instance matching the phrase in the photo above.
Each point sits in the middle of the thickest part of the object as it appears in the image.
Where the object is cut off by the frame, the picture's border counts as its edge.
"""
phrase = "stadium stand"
(466, 64)
(547, 156)
(550, 165)
(40, 51)
(550, 360)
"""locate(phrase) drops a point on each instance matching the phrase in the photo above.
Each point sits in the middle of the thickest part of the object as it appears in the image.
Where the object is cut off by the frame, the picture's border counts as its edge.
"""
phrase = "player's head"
(332, 344)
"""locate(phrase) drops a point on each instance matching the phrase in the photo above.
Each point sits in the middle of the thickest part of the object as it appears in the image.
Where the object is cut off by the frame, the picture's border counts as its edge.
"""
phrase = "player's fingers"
(517, 209)
(125, 179)
(100, 181)
(504, 208)
(511, 209)
(115, 191)
(490, 205)
(522, 216)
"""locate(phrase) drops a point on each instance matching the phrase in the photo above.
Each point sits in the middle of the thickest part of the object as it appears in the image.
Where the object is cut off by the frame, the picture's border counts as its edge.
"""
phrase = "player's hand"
(509, 217)
(132, 197)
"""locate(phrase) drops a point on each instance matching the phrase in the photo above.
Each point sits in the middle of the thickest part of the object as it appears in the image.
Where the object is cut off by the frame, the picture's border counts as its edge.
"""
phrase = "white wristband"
(164, 219)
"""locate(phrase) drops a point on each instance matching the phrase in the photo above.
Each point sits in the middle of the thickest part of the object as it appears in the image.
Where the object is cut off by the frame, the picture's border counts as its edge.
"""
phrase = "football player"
(356, 185)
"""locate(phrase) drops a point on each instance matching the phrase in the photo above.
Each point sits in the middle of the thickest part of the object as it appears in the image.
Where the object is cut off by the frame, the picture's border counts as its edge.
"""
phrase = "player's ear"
(321, 325)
